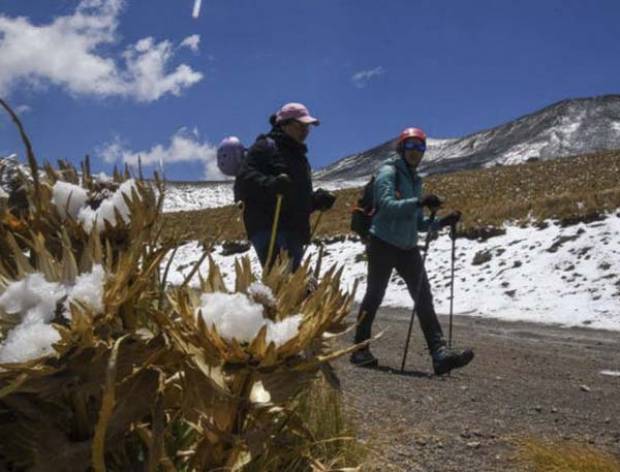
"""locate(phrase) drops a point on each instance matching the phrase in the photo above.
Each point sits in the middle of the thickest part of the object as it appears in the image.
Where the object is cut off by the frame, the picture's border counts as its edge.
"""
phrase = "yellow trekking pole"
(274, 229)
(316, 225)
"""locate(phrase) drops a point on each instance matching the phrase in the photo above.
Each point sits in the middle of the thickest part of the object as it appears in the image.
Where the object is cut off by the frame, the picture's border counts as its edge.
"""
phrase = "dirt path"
(526, 380)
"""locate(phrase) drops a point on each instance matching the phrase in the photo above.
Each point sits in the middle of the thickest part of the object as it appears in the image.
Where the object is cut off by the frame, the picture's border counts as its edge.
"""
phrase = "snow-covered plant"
(104, 367)
(73, 201)
(254, 350)
(86, 335)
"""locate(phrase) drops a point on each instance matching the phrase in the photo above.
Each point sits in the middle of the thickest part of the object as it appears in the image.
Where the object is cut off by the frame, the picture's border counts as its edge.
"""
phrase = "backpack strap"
(272, 147)
(266, 145)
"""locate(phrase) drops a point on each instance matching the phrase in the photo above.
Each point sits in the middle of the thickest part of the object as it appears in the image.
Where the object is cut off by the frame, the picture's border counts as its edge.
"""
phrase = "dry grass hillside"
(568, 189)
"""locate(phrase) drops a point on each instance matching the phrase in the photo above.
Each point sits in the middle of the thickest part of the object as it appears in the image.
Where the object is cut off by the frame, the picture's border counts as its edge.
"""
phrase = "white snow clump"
(34, 300)
(234, 315)
(70, 200)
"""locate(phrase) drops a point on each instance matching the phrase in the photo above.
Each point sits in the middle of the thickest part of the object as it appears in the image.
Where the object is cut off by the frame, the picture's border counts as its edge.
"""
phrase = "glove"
(451, 219)
(431, 201)
(323, 200)
(281, 184)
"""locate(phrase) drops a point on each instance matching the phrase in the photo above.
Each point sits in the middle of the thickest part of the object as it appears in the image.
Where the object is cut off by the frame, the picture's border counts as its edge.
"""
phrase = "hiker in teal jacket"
(398, 217)
(397, 199)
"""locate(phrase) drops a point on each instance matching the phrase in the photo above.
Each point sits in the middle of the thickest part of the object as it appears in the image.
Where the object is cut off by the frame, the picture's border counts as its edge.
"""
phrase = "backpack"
(271, 148)
(230, 154)
(362, 213)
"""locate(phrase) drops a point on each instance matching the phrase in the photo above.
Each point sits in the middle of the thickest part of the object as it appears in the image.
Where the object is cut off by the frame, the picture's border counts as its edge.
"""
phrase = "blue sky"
(119, 78)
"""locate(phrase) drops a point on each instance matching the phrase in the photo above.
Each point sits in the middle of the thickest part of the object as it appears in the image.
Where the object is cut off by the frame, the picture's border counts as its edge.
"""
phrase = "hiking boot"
(444, 359)
(364, 358)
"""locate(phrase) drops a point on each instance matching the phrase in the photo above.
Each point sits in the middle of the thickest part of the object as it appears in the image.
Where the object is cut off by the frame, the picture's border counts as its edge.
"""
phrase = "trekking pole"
(312, 233)
(426, 245)
(316, 225)
(453, 237)
(274, 229)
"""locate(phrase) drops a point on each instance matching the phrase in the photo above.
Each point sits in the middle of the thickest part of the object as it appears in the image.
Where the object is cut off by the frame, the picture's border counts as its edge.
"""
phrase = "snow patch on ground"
(188, 197)
(558, 275)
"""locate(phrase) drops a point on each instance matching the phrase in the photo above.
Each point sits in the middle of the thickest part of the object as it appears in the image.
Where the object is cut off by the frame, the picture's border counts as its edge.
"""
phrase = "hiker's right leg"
(293, 244)
(260, 241)
(380, 264)
(444, 360)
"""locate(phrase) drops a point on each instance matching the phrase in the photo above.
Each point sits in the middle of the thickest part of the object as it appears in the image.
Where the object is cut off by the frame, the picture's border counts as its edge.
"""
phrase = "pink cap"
(296, 111)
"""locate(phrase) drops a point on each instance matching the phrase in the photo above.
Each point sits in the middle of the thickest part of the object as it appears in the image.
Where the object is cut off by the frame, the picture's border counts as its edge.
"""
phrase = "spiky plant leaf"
(107, 406)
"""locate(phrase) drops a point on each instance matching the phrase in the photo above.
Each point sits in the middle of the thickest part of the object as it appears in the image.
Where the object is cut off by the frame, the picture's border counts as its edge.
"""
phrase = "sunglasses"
(301, 124)
(411, 145)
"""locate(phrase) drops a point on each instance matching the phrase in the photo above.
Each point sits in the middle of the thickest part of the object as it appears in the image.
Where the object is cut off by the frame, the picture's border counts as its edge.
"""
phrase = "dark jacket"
(273, 154)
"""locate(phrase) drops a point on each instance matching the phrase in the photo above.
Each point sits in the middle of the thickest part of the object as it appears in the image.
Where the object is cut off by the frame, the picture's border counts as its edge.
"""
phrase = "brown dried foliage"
(565, 189)
(146, 384)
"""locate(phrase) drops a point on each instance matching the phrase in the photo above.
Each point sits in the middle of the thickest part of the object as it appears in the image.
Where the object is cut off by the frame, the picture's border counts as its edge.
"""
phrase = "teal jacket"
(398, 216)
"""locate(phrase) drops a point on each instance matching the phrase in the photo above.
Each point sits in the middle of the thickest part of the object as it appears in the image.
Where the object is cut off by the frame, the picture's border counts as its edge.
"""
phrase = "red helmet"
(408, 133)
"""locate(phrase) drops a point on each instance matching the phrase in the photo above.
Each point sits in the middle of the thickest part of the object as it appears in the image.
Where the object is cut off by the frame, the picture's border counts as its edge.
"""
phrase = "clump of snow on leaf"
(28, 341)
(95, 218)
(282, 331)
(68, 198)
(33, 298)
(71, 200)
(261, 293)
(34, 301)
(234, 315)
(88, 289)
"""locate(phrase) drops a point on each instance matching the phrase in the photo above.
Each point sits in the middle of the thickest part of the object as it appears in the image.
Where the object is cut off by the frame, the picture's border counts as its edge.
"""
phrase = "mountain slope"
(569, 127)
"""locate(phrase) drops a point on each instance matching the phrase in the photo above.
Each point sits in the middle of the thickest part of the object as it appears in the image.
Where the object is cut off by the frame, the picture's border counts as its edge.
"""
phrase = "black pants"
(287, 241)
(382, 258)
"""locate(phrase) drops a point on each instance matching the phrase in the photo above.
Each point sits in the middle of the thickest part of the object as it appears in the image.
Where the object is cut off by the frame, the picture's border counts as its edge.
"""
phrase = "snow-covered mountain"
(569, 127)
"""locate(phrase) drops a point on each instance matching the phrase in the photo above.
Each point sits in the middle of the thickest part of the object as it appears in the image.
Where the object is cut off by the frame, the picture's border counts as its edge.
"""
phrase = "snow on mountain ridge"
(569, 127)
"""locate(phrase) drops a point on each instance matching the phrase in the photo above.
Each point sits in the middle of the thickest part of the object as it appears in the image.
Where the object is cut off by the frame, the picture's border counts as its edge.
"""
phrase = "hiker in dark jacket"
(276, 164)
(393, 241)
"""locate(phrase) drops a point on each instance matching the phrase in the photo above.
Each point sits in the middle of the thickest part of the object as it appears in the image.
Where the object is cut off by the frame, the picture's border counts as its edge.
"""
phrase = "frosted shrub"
(89, 329)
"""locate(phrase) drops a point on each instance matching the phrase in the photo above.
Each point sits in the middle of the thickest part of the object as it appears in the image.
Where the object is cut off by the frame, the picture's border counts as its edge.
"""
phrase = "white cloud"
(111, 152)
(73, 52)
(196, 10)
(191, 42)
(360, 79)
(184, 146)
(22, 109)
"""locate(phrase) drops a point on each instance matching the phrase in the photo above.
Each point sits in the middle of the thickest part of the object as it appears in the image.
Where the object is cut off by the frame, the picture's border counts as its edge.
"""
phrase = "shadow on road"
(407, 373)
